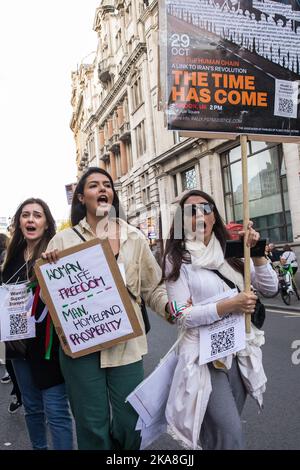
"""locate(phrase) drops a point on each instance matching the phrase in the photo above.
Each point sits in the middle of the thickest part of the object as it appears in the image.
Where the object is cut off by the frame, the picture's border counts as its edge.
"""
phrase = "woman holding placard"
(194, 267)
(99, 383)
(35, 360)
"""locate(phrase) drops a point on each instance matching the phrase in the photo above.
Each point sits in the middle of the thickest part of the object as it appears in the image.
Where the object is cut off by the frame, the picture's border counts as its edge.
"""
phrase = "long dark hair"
(3, 247)
(78, 210)
(175, 247)
(3, 242)
(17, 243)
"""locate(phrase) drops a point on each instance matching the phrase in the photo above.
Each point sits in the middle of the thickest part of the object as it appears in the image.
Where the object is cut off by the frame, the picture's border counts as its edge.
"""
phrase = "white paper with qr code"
(15, 318)
(223, 337)
(286, 98)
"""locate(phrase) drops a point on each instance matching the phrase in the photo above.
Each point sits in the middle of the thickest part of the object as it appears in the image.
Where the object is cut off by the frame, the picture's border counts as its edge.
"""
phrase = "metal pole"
(247, 278)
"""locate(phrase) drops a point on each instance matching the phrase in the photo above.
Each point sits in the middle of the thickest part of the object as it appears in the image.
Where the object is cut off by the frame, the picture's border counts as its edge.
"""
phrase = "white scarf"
(212, 257)
(250, 363)
(191, 385)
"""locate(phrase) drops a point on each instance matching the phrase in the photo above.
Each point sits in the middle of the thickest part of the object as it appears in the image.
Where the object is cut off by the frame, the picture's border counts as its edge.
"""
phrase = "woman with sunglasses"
(213, 394)
(99, 383)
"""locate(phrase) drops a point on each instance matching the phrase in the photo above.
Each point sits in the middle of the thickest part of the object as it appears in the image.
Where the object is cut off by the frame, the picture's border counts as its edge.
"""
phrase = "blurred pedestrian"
(288, 257)
(274, 253)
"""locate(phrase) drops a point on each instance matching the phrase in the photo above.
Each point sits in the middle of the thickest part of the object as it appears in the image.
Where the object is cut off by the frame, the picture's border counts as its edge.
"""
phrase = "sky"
(41, 43)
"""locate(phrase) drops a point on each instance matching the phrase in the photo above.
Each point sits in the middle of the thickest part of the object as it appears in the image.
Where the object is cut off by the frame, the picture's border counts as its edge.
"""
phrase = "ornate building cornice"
(87, 127)
(149, 10)
(76, 113)
(176, 150)
(114, 92)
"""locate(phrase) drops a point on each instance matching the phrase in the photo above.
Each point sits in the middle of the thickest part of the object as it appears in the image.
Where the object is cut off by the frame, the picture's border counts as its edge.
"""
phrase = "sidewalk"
(276, 303)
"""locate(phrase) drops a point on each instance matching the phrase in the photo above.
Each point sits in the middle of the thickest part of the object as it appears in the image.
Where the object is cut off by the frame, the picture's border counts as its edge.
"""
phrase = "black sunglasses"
(205, 208)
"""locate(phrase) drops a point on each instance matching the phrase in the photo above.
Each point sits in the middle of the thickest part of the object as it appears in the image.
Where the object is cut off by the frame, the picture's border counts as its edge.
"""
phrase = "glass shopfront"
(268, 192)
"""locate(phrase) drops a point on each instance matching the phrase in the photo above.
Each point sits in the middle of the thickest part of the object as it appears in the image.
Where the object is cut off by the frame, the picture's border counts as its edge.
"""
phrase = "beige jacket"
(143, 275)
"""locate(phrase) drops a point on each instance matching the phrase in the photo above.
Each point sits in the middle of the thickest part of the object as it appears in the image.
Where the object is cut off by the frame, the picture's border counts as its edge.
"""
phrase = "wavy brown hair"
(175, 247)
(18, 243)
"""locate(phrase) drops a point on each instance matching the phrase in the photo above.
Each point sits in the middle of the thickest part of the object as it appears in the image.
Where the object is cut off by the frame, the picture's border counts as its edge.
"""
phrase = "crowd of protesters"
(96, 385)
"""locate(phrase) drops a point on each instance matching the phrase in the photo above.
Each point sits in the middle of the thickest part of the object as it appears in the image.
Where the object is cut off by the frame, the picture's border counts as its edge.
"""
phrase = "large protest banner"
(233, 66)
(87, 299)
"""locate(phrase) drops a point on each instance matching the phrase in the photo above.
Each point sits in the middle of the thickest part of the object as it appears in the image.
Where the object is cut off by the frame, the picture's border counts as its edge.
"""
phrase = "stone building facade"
(118, 126)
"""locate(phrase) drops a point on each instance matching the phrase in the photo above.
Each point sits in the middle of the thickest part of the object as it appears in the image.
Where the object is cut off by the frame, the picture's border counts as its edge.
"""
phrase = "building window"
(142, 5)
(128, 14)
(118, 165)
(92, 148)
(118, 39)
(131, 197)
(129, 155)
(141, 139)
(115, 125)
(175, 185)
(106, 137)
(145, 188)
(188, 179)
(268, 194)
(137, 97)
(107, 166)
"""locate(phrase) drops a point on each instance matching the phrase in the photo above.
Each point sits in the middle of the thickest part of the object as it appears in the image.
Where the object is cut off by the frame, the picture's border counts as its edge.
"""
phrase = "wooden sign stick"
(247, 278)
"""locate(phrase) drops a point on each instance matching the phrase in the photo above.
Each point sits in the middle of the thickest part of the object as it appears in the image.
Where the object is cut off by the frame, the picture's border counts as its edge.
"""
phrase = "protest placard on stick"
(231, 69)
(87, 299)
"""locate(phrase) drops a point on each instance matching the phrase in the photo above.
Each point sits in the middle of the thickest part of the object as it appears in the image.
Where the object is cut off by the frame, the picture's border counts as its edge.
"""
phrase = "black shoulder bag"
(143, 310)
(142, 304)
(259, 314)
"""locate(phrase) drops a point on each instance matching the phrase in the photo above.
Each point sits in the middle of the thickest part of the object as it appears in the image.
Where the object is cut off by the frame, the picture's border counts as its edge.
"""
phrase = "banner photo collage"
(233, 66)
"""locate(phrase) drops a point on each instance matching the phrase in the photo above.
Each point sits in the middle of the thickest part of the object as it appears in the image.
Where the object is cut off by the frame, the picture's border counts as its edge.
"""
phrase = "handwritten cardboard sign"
(87, 299)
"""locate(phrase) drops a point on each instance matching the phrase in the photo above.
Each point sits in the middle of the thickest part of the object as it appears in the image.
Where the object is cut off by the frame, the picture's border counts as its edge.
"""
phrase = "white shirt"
(191, 385)
(290, 258)
(199, 284)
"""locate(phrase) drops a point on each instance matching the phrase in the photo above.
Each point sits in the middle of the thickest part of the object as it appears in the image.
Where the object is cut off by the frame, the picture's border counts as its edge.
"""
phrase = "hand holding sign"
(51, 256)
(87, 299)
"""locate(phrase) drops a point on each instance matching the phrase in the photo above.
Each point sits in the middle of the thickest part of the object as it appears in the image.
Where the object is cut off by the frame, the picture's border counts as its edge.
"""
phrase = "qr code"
(222, 341)
(286, 106)
(18, 324)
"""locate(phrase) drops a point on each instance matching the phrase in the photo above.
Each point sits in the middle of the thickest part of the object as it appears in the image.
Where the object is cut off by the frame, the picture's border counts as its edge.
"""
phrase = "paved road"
(278, 427)
(13, 434)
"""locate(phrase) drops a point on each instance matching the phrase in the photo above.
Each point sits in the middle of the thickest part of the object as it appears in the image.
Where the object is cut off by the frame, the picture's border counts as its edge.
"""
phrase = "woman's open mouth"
(102, 199)
(30, 229)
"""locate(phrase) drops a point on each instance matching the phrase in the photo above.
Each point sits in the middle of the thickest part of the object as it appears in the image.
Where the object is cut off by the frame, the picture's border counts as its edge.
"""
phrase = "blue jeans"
(44, 406)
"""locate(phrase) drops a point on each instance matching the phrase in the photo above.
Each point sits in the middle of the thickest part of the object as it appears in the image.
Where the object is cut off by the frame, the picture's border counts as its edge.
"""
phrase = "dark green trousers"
(97, 398)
